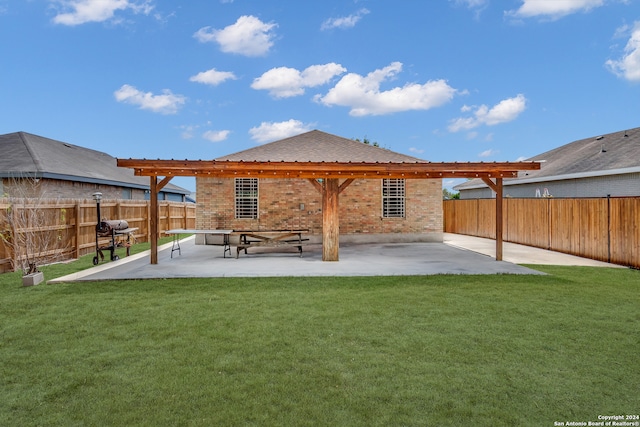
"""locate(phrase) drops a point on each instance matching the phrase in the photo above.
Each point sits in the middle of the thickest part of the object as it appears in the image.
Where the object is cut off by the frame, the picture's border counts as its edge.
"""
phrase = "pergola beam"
(345, 184)
(324, 170)
(330, 173)
(315, 184)
(301, 174)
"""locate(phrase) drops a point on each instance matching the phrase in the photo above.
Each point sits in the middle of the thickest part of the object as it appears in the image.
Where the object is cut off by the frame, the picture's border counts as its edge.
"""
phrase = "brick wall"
(296, 204)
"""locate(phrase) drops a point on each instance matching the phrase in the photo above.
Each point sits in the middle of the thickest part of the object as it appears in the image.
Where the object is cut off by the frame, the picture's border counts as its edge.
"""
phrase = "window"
(246, 198)
(393, 198)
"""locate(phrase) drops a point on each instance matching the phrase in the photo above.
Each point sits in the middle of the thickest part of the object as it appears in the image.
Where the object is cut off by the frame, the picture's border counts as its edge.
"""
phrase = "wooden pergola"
(329, 178)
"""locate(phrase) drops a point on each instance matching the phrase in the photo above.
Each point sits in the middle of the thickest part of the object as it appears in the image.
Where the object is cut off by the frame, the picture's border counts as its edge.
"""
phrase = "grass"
(425, 350)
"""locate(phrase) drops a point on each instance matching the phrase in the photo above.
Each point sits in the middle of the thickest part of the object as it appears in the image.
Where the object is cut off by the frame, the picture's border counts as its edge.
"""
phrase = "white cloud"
(216, 135)
(167, 103)
(505, 111)
(284, 82)
(83, 11)
(477, 6)
(488, 153)
(364, 97)
(249, 36)
(268, 132)
(553, 9)
(471, 4)
(213, 77)
(416, 150)
(628, 66)
(187, 131)
(463, 123)
(344, 21)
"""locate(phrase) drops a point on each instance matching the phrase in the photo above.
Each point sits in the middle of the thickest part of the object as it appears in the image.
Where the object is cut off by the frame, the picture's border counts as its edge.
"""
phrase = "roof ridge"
(27, 145)
(317, 145)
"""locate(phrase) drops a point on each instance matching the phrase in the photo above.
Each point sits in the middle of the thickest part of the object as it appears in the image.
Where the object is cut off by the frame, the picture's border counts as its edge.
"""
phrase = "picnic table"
(177, 232)
(271, 238)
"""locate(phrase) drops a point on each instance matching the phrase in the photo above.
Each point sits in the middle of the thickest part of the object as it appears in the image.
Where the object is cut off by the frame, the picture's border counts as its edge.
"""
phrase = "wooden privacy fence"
(74, 222)
(605, 229)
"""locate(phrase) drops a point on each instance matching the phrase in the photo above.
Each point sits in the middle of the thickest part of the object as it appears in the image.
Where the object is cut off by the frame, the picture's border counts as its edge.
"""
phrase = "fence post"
(476, 228)
(168, 223)
(608, 227)
(550, 226)
(185, 216)
(118, 210)
(148, 216)
(78, 221)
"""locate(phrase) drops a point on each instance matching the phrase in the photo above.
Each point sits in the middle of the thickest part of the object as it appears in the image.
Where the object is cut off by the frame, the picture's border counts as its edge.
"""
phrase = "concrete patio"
(457, 255)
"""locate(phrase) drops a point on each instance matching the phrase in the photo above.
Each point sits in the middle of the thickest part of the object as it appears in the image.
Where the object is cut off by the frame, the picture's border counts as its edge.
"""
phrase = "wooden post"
(153, 219)
(154, 216)
(497, 187)
(499, 219)
(330, 220)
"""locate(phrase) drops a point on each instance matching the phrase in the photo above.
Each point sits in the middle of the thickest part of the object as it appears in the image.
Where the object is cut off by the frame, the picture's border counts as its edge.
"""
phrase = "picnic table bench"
(271, 238)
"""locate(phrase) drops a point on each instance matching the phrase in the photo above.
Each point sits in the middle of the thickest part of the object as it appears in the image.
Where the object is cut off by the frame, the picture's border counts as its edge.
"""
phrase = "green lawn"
(417, 351)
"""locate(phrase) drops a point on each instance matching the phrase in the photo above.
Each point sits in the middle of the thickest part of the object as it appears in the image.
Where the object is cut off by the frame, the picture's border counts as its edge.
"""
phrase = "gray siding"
(612, 185)
(60, 189)
(476, 193)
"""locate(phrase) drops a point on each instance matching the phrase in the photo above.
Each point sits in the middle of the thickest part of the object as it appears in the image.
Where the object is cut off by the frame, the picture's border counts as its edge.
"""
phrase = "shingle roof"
(25, 153)
(318, 146)
(597, 155)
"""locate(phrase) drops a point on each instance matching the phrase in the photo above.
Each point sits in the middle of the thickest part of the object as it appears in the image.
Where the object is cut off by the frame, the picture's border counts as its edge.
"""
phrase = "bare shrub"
(32, 227)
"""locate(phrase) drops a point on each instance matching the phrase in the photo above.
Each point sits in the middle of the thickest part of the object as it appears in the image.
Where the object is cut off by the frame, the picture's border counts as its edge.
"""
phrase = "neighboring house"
(600, 166)
(371, 210)
(68, 171)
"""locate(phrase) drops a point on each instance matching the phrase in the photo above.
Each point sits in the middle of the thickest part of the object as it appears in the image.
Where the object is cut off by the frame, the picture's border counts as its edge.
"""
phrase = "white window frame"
(246, 198)
(393, 198)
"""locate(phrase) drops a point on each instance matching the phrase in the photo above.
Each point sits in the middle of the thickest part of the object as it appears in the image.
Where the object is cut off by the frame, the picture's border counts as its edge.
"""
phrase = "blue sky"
(443, 80)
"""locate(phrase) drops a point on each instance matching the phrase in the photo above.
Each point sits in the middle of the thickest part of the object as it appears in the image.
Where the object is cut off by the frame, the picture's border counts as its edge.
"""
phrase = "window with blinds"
(393, 196)
(246, 195)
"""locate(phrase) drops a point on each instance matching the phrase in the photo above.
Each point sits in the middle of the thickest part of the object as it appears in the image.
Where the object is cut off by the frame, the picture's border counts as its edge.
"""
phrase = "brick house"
(66, 171)
(370, 210)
